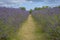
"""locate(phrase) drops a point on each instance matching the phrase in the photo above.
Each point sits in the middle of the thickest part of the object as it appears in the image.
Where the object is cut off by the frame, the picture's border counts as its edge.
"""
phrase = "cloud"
(17, 3)
(36, 0)
(10, 3)
(46, 1)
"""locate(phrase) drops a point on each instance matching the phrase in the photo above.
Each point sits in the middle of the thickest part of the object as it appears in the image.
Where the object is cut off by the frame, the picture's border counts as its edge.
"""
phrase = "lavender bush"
(48, 19)
(10, 21)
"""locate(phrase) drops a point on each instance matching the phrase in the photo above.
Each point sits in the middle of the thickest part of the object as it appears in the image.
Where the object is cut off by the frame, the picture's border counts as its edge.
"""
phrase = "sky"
(29, 4)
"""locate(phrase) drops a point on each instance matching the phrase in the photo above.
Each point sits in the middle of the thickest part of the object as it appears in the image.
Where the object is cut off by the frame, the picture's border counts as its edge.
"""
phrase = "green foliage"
(45, 7)
(58, 6)
(36, 8)
(22, 8)
(39, 8)
(30, 11)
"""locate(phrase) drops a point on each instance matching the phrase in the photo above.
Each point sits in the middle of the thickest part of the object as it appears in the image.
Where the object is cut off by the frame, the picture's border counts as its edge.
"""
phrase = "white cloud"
(18, 1)
(14, 3)
(10, 3)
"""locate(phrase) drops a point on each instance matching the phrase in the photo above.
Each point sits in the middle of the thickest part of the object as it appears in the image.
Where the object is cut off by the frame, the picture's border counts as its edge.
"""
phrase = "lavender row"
(49, 20)
(10, 20)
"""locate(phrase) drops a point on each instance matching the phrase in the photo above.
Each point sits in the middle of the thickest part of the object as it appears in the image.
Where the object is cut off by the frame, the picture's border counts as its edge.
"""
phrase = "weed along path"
(27, 30)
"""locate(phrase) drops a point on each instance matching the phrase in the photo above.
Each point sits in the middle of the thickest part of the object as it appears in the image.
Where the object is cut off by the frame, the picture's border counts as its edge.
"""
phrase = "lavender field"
(38, 24)
(48, 22)
(11, 20)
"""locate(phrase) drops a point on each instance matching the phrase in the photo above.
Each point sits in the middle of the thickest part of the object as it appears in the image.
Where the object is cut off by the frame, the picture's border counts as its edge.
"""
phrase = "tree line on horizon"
(11, 20)
(37, 8)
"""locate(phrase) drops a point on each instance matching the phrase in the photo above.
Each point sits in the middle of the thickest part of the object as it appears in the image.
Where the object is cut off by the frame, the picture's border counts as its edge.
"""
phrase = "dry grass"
(27, 30)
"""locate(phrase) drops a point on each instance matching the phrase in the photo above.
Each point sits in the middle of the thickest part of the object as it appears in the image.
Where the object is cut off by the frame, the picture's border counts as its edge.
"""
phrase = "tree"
(37, 8)
(30, 11)
(22, 8)
(45, 7)
(58, 6)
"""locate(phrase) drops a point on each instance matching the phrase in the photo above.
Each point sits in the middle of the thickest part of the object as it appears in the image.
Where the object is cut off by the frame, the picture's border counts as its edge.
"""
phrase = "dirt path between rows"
(27, 30)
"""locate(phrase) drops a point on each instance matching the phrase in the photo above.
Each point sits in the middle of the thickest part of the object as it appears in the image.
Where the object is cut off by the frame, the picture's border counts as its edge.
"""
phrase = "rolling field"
(27, 30)
(30, 31)
(16, 24)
